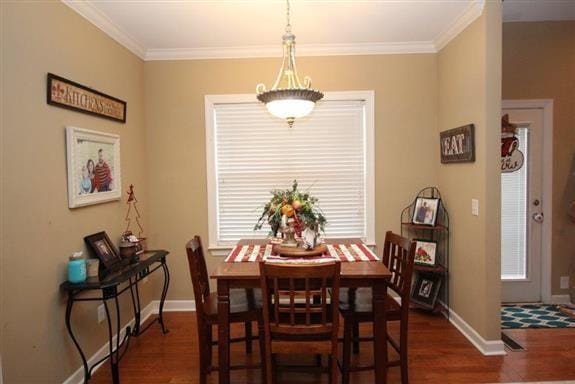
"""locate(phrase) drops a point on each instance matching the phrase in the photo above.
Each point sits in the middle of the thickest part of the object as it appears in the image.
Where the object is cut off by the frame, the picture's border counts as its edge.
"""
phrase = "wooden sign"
(70, 95)
(457, 145)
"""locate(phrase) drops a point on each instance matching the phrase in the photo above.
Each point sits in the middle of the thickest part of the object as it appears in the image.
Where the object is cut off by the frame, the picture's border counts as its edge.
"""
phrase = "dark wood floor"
(438, 353)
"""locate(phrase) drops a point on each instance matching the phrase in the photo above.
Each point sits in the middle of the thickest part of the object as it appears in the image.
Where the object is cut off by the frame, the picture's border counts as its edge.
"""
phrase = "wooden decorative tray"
(300, 252)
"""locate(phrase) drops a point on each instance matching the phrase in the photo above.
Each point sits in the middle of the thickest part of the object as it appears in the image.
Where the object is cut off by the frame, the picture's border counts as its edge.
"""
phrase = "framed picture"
(93, 160)
(101, 245)
(425, 252)
(426, 289)
(425, 212)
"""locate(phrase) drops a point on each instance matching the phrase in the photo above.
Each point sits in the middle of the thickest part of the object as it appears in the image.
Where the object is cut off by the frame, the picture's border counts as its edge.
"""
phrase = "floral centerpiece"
(292, 212)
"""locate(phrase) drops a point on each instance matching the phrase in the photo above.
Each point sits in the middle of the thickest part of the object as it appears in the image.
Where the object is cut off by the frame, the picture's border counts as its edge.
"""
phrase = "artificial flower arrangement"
(293, 208)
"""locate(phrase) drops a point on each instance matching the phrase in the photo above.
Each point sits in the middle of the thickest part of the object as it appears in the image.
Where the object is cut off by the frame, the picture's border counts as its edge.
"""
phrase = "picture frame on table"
(102, 247)
(425, 252)
(425, 211)
(426, 289)
(93, 166)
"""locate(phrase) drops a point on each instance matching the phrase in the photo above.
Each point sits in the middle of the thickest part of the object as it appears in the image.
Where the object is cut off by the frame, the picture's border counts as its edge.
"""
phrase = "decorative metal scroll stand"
(109, 287)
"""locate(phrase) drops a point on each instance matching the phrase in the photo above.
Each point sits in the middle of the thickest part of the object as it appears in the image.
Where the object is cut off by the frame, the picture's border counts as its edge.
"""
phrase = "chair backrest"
(284, 284)
(198, 272)
(398, 257)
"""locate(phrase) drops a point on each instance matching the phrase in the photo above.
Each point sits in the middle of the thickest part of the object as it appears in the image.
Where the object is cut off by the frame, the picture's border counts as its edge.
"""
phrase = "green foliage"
(306, 210)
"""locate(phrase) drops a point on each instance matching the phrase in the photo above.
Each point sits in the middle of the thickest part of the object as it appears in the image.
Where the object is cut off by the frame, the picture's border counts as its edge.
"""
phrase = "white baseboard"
(486, 347)
(560, 299)
(151, 309)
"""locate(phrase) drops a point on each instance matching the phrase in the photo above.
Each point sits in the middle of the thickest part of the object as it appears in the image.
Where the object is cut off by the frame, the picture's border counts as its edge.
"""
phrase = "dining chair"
(356, 306)
(297, 316)
(244, 308)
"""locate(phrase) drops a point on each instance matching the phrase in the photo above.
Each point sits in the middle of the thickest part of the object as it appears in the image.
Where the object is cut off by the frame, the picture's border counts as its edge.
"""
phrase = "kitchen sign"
(458, 144)
(67, 94)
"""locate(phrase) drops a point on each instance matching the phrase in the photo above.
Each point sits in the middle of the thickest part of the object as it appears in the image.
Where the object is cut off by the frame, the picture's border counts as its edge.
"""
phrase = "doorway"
(525, 203)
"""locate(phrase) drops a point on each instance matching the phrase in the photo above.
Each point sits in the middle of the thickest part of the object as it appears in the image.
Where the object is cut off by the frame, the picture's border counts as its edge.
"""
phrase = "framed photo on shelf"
(426, 289)
(425, 211)
(425, 252)
(101, 245)
(93, 162)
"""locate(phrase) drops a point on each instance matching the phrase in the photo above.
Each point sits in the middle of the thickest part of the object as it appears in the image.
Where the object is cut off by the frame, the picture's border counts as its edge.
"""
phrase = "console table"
(111, 285)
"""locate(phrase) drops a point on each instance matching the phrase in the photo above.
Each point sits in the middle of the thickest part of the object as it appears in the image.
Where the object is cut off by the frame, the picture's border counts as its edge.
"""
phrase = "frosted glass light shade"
(290, 108)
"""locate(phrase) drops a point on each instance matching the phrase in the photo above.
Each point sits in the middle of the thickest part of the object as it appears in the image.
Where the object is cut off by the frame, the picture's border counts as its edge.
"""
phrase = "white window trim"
(212, 100)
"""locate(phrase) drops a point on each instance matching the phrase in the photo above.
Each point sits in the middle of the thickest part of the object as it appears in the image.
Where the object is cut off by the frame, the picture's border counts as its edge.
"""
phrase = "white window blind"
(254, 153)
(514, 217)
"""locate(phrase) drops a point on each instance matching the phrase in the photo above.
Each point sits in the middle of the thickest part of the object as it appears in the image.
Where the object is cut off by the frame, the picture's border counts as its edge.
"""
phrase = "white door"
(521, 212)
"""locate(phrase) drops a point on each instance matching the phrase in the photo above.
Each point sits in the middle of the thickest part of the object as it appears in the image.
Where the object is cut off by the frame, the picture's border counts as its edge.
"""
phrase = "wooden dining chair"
(297, 316)
(356, 306)
(244, 308)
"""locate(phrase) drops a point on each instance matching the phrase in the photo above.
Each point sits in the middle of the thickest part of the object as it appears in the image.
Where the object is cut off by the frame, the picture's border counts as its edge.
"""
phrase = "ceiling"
(200, 29)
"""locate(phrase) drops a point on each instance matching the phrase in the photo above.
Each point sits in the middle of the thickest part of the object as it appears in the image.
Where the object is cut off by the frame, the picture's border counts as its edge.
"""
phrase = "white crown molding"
(91, 13)
(302, 50)
(473, 11)
(88, 11)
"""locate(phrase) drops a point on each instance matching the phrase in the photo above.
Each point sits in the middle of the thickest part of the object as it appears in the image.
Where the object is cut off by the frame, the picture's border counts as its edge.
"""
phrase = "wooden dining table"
(355, 274)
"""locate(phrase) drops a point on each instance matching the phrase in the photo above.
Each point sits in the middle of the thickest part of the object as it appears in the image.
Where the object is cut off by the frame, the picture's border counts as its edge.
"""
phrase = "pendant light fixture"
(288, 99)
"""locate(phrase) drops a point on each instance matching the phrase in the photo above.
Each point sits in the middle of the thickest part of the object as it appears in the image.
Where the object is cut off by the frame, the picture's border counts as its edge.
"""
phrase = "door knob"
(538, 217)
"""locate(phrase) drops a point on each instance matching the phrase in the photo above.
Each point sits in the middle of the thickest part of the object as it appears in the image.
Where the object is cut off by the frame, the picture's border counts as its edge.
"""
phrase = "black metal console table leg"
(164, 294)
(69, 328)
(114, 352)
(136, 306)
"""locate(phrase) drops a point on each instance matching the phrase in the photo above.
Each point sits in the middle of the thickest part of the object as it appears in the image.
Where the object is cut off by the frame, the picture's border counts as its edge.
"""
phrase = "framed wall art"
(102, 247)
(68, 94)
(93, 160)
(426, 289)
(425, 252)
(458, 144)
(425, 212)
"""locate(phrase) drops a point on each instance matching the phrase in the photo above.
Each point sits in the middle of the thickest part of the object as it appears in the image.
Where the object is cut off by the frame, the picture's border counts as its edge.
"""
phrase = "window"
(250, 152)
(514, 216)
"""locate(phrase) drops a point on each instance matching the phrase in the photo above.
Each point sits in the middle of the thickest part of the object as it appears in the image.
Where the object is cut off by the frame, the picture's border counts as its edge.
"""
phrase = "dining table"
(360, 267)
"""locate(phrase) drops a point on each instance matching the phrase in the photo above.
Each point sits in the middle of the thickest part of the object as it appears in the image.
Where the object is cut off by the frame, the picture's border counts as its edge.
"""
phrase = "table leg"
(114, 353)
(136, 306)
(164, 294)
(380, 331)
(69, 328)
(224, 331)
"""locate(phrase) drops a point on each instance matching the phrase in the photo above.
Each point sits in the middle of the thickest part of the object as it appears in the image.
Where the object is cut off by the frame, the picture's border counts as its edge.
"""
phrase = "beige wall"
(469, 92)
(163, 154)
(39, 232)
(405, 98)
(539, 63)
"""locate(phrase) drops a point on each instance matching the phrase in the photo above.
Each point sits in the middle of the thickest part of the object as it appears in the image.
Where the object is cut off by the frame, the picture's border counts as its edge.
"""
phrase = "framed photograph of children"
(102, 247)
(425, 252)
(426, 289)
(425, 212)
(93, 160)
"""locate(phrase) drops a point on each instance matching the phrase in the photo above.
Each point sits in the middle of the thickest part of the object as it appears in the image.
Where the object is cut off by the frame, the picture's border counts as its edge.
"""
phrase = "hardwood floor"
(438, 353)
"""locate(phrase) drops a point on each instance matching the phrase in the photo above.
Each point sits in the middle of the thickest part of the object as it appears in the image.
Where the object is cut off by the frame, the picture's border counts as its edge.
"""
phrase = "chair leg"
(263, 355)
(318, 360)
(333, 367)
(356, 338)
(403, 351)
(248, 327)
(347, 340)
(209, 348)
(204, 343)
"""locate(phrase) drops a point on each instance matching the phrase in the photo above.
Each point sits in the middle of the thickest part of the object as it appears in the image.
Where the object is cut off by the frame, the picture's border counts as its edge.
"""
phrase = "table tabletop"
(349, 270)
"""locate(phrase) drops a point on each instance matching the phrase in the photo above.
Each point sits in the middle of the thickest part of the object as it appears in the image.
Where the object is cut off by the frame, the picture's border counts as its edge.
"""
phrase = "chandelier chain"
(288, 25)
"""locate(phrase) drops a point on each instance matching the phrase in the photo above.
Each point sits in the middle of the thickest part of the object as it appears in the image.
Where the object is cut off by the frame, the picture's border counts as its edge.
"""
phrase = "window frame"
(211, 101)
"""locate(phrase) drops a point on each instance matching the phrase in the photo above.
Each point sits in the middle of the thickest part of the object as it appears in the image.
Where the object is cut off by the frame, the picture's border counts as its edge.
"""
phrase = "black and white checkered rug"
(534, 316)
